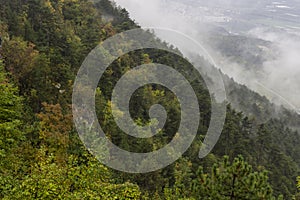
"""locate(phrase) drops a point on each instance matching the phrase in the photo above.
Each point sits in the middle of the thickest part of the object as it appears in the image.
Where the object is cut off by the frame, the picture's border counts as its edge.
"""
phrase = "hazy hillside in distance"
(255, 42)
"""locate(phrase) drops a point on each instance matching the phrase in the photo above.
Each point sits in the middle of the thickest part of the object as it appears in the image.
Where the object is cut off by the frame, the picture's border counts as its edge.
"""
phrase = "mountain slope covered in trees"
(42, 157)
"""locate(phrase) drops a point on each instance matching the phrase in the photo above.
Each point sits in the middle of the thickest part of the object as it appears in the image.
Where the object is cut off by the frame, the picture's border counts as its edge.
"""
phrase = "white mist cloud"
(282, 74)
(151, 13)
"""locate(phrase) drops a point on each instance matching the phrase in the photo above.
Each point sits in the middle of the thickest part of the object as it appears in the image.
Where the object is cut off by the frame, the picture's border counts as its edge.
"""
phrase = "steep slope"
(45, 42)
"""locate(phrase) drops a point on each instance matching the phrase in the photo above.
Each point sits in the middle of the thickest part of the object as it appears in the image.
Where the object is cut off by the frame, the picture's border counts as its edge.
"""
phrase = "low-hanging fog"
(277, 22)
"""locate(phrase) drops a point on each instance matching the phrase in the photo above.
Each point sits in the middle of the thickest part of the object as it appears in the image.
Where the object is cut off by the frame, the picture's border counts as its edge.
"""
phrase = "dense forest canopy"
(44, 43)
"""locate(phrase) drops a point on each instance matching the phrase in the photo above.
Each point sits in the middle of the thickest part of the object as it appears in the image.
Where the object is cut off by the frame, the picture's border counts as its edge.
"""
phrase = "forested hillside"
(43, 45)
